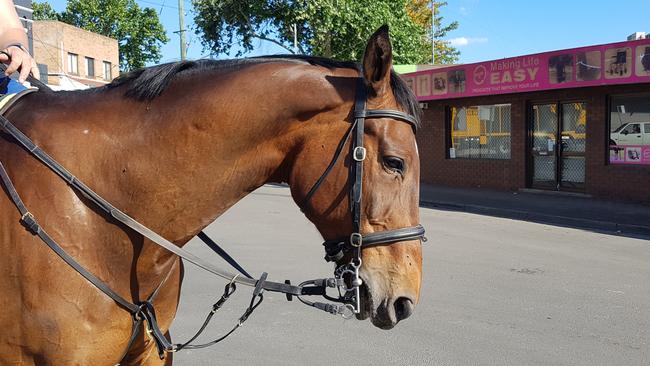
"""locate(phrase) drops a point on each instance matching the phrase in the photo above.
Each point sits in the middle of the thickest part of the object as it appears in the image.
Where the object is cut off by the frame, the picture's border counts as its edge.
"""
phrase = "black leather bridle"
(143, 312)
(347, 274)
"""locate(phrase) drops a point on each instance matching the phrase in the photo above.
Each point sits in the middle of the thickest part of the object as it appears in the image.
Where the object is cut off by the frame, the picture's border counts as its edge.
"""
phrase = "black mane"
(148, 83)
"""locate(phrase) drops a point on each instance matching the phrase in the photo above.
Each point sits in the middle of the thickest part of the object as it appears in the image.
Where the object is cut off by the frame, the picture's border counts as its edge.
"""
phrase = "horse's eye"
(394, 163)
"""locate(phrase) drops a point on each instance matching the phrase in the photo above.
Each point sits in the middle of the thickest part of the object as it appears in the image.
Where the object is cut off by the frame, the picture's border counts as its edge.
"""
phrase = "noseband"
(337, 249)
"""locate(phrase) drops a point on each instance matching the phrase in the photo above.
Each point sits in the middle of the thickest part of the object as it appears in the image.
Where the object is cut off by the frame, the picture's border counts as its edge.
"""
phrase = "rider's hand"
(19, 60)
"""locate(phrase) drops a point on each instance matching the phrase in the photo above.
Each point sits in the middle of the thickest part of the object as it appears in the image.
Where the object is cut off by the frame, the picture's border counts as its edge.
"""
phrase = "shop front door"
(558, 139)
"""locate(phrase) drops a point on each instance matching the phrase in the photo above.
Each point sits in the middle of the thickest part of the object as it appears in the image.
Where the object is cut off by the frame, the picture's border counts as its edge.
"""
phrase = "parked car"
(637, 133)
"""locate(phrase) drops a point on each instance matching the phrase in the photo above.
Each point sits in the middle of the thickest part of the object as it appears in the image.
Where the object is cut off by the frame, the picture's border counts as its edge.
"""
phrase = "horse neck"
(198, 165)
(223, 143)
(174, 165)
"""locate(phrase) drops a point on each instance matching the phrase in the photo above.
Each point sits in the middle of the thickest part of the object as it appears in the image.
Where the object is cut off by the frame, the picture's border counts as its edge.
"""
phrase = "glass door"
(558, 146)
(544, 159)
(572, 146)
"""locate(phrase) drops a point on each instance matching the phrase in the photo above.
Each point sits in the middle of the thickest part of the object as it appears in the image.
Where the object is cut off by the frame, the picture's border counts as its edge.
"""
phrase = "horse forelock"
(148, 83)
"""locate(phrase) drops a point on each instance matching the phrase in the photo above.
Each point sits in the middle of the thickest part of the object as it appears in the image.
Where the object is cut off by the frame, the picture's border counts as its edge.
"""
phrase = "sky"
(488, 29)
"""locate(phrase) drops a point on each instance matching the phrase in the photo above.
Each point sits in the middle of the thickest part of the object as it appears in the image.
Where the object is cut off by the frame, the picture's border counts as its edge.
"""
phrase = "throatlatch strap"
(337, 153)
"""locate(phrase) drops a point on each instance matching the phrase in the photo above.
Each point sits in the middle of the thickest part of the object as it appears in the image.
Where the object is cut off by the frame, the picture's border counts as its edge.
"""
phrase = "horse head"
(390, 271)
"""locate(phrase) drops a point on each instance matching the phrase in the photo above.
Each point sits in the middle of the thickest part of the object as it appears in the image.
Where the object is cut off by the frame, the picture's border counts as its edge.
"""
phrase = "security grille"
(481, 132)
(544, 143)
(573, 127)
(573, 171)
(558, 164)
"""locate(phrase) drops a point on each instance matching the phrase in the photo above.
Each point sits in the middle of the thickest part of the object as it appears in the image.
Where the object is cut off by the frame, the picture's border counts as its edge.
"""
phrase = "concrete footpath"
(544, 207)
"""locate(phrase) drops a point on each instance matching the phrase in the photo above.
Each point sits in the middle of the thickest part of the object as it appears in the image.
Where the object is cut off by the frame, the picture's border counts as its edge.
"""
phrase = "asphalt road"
(495, 292)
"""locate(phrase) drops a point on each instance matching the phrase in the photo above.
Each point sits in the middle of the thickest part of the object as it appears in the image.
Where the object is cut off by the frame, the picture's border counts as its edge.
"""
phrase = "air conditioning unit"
(636, 35)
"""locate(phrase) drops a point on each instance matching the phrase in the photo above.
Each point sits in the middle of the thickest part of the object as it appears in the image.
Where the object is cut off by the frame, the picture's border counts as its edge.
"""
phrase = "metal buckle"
(356, 240)
(26, 215)
(359, 153)
(347, 311)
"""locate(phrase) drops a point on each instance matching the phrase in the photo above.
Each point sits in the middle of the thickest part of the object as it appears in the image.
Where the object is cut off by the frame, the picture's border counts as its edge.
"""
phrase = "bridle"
(347, 274)
(346, 278)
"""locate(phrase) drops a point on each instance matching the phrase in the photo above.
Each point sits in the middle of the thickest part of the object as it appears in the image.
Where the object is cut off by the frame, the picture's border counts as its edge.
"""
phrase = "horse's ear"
(378, 61)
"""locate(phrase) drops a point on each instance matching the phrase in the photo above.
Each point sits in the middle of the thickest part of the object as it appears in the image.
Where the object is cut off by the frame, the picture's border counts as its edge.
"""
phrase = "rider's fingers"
(25, 68)
(35, 73)
(19, 60)
(16, 61)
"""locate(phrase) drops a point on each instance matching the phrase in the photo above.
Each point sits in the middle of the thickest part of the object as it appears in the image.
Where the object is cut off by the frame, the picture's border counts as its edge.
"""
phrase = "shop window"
(480, 132)
(629, 129)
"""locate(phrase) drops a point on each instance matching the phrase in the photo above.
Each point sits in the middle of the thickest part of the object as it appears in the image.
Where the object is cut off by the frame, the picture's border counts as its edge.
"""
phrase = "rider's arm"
(13, 41)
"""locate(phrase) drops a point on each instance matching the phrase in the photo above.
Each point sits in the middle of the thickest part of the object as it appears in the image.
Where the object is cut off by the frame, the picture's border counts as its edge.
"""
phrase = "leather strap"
(222, 253)
(336, 249)
(142, 312)
(29, 221)
(392, 114)
(127, 220)
(305, 202)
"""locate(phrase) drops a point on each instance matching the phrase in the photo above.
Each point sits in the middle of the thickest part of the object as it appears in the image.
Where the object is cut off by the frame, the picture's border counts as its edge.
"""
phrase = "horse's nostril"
(403, 308)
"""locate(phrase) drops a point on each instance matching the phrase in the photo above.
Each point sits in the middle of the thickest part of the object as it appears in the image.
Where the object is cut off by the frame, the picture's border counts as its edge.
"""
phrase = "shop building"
(575, 120)
(73, 57)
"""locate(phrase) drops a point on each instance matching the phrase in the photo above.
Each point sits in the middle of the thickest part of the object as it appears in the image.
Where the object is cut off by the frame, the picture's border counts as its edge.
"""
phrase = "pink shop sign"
(615, 63)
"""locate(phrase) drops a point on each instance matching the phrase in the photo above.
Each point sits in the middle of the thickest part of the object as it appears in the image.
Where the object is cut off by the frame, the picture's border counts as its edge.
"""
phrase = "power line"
(54, 57)
(162, 5)
(57, 47)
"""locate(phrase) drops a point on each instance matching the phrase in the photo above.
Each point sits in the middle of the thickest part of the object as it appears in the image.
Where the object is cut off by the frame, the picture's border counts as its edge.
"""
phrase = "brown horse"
(175, 146)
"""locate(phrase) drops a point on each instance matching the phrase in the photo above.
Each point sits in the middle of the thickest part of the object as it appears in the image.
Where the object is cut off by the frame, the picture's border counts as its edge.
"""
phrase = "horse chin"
(368, 310)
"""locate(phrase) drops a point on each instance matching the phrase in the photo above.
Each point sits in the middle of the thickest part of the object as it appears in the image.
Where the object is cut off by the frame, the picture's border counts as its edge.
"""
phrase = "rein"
(144, 312)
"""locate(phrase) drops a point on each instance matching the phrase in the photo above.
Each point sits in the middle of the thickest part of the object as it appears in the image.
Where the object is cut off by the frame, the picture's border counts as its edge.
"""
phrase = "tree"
(138, 31)
(44, 11)
(330, 28)
(420, 12)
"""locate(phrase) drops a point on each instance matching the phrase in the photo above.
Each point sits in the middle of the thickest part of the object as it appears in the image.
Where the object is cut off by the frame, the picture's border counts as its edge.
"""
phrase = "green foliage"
(44, 11)
(330, 28)
(445, 53)
(138, 31)
(420, 12)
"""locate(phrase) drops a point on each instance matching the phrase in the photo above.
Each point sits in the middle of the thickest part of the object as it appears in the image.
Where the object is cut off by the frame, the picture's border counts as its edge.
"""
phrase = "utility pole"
(181, 28)
(433, 32)
(295, 38)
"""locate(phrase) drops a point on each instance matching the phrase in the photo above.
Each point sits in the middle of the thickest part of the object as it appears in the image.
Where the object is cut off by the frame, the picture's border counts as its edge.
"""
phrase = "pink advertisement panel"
(615, 63)
(629, 154)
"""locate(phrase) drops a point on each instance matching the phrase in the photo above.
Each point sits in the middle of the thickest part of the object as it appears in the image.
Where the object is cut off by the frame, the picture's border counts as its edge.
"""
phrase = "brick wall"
(47, 43)
(602, 180)
(53, 41)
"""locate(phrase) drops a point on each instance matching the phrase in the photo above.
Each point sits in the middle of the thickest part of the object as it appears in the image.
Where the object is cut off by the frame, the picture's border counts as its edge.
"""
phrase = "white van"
(636, 133)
